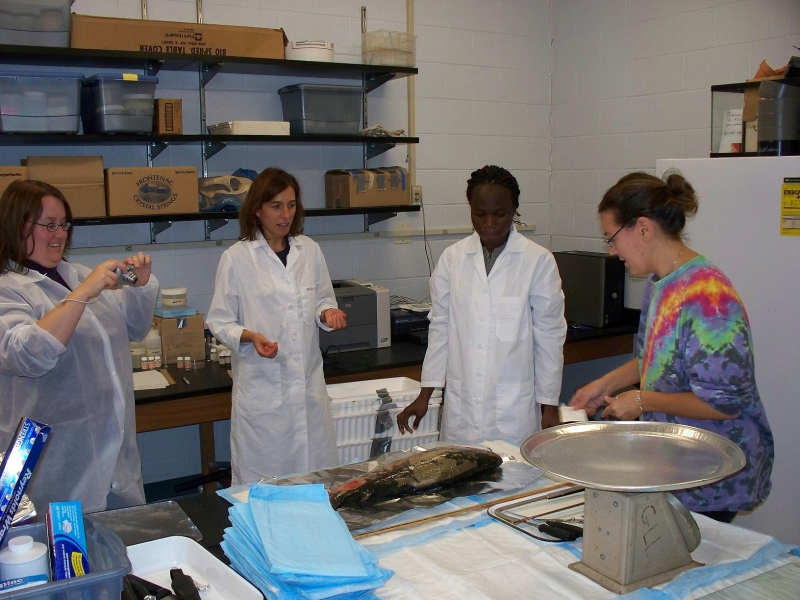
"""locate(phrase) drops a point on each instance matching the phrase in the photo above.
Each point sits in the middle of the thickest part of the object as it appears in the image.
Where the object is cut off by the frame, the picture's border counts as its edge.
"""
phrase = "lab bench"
(207, 396)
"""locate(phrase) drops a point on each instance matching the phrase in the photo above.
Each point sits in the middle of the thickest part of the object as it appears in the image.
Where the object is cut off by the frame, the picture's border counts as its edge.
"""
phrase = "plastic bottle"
(179, 364)
(153, 342)
(23, 558)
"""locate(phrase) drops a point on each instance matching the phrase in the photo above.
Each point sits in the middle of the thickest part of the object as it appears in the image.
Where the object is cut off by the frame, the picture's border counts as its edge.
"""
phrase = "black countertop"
(211, 378)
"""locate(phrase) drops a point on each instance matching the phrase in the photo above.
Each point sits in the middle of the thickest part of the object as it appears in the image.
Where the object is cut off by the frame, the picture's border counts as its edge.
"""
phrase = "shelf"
(151, 62)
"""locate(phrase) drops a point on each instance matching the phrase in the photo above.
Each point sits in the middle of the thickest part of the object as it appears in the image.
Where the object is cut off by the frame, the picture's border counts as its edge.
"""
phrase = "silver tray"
(633, 456)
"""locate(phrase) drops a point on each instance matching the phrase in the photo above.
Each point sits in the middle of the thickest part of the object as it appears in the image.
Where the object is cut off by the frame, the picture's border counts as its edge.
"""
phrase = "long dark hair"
(669, 203)
(269, 183)
(20, 204)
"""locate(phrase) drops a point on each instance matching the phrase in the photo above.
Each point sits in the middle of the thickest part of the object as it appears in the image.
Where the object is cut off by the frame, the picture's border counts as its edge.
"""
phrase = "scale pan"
(633, 456)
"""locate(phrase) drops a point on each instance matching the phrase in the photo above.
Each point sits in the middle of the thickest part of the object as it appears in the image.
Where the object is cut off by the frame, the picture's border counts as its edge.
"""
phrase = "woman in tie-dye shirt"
(694, 352)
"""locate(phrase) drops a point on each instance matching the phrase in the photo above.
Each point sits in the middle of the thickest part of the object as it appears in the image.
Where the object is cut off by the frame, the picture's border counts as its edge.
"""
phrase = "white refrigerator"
(738, 227)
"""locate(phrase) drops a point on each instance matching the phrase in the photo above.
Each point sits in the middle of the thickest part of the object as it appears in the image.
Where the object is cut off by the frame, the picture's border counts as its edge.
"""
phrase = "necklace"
(674, 262)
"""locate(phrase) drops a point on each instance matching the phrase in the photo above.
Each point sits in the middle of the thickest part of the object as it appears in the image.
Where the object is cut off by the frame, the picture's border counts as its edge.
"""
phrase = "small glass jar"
(227, 357)
(151, 362)
(179, 364)
(221, 355)
(158, 362)
(187, 363)
(214, 355)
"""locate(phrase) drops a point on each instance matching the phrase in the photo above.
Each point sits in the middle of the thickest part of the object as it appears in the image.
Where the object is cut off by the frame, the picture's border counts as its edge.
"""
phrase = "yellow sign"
(790, 206)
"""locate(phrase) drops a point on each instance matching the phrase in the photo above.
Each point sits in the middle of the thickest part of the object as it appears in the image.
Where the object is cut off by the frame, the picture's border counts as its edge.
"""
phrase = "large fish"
(419, 472)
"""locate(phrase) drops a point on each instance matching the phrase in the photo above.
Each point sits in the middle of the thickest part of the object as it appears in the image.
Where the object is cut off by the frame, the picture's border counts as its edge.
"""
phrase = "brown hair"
(20, 204)
(269, 183)
(668, 203)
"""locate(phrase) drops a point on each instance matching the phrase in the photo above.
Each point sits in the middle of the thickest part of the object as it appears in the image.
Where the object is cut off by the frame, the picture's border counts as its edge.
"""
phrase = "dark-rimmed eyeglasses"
(610, 240)
(53, 227)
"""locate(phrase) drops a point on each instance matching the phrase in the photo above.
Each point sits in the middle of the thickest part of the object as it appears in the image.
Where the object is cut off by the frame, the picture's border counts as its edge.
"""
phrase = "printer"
(367, 308)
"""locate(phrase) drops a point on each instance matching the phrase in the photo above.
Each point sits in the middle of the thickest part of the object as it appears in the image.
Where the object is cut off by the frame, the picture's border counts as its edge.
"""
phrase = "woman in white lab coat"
(272, 293)
(64, 354)
(497, 326)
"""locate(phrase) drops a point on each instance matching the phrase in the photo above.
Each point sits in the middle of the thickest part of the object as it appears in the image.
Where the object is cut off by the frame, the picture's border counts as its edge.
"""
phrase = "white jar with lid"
(173, 296)
(152, 342)
(23, 557)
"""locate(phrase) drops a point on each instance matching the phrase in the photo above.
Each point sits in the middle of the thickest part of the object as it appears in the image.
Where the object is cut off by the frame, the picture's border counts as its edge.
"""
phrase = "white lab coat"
(496, 341)
(84, 390)
(281, 418)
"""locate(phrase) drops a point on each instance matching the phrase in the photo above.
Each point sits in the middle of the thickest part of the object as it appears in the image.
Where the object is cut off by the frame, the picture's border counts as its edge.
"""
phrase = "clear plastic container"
(35, 23)
(108, 560)
(173, 296)
(118, 103)
(40, 102)
(322, 109)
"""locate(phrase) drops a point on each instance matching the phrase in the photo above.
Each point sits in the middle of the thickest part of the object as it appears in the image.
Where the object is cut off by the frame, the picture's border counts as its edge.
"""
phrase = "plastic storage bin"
(322, 109)
(118, 103)
(361, 426)
(361, 396)
(35, 23)
(39, 102)
(387, 47)
(361, 450)
(108, 563)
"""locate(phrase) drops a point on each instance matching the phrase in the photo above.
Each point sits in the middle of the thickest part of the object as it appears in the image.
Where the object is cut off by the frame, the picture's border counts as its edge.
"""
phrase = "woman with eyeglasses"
(693, 361)
(64, 353)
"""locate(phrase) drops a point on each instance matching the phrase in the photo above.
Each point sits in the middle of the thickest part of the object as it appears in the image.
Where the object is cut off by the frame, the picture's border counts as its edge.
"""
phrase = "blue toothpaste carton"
(68, 556)
(17, 467)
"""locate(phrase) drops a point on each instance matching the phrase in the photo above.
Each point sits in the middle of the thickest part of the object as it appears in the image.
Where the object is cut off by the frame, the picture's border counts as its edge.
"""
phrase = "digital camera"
(124, 278)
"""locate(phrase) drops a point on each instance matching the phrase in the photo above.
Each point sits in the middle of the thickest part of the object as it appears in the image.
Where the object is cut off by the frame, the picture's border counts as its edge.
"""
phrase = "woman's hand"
(101, 278)
(334, 318)
(590, 397)
(264, 347)
(143, 265)
(622, 407)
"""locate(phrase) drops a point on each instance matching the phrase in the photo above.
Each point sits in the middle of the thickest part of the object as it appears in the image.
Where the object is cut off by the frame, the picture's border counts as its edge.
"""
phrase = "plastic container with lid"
(32, 102)
(173, 296)
(23, 557)
(35, 22)
(310, 50)
(118, 103)
(322, 108)
(153, 342)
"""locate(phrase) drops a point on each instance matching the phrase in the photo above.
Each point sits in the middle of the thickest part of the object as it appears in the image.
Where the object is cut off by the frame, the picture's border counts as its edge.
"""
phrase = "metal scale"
(635, 533)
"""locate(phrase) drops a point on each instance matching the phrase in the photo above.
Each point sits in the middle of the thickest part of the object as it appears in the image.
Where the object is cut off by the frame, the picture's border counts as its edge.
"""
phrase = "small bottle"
(180, 362)
(214, 355)
(221, 355)
(187, 363)
(24, 558)
(151, 362)
(227, 357)
(158, 362)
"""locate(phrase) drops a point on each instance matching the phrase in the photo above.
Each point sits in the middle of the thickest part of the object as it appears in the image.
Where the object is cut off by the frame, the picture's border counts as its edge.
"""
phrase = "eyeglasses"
(610, 240)
(53, 227)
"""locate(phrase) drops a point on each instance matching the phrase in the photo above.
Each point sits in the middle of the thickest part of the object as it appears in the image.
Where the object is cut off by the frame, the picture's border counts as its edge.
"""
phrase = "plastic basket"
(362, 396)
(361, 426)
(361, 450)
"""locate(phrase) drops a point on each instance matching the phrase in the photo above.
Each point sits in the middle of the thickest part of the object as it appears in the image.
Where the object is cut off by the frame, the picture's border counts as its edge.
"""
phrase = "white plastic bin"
(361, 396)
(360, 450)
(40, 102)
(360, 426)
(35, 23)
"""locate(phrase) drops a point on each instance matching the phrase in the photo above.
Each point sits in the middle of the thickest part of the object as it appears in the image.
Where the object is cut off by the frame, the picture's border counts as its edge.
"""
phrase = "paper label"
(790, 206)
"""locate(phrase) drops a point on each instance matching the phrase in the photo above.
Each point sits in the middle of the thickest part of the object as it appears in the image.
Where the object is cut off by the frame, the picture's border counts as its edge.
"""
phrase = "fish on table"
(419, 472)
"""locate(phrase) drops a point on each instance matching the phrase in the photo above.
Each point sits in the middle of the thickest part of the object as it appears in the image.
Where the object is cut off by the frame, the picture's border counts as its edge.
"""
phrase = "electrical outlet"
(416, 194)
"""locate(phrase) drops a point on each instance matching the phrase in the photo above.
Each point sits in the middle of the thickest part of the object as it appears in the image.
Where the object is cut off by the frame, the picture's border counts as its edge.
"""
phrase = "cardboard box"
(181, 336)
(80, 179)
(168, 37)
(168, 115)
(151, 190)
(9, 174)
(387, 186)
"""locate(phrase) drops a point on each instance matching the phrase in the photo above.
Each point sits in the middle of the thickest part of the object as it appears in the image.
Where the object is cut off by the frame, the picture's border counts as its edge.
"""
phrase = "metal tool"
(548, 523)
(636, 533)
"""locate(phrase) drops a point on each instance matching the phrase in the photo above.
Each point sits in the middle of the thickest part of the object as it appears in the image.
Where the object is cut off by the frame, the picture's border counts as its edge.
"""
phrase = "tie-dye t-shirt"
(694, 335)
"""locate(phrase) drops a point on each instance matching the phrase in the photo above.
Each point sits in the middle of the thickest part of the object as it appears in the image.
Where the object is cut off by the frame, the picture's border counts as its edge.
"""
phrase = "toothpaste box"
(17, 467)
(65, 531)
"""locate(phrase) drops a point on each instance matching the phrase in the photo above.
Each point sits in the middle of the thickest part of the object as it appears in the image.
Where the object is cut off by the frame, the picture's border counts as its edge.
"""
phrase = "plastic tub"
(322, 109)
(310, 50)
(39, 102)
(387, 47)
(173, 296)
(118, 103)
(35, 23)
(361, 426)
(361, 450)
(108, 563)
